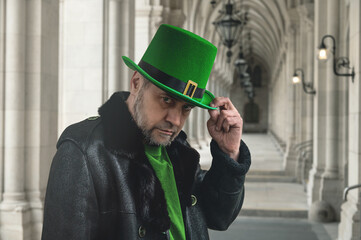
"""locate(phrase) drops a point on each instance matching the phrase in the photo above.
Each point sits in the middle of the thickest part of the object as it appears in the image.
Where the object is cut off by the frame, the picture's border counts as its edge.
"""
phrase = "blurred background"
(291, 67)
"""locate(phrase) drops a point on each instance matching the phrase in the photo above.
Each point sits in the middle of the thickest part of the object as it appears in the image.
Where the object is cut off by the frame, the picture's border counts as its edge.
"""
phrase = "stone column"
(300, 94)
(229, 87)
(173, 13)
(330, 183)
(142, 27)
(14, 206)
(331, 99)
(2, 90)
(298, 112)
(14, 104)
(223, 89)
(319, 135)
(308, 131)
(349, 227)
(42, 47)
(127, 22)
(289, 157)
(226, 89)
(299, 46)
(166, 11)
(115, 74)
(155, 17)
(30, 134)
(309, 63)
(219, 86)
(309, 78)
(118, 41)
(303, 59)
(306, 53)
(214, 83)
(61, 88)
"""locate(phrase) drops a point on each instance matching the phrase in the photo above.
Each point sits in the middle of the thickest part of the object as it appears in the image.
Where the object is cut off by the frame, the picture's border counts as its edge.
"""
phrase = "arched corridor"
(61, 59)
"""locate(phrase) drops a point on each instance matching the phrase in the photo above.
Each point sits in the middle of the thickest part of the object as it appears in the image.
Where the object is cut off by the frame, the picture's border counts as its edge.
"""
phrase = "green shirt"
(163, 168)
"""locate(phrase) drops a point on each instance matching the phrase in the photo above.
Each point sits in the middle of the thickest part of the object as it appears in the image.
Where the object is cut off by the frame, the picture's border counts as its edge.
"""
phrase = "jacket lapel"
(185, 162)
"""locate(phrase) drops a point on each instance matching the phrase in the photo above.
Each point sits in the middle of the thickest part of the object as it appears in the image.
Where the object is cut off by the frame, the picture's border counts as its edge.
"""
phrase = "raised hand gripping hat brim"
(178, 62)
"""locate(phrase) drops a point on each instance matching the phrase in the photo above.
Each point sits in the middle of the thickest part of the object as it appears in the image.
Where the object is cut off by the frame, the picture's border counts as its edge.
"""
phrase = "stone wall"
(29, 111)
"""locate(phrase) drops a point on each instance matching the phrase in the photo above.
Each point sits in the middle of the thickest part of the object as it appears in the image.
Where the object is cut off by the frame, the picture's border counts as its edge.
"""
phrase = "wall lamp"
(307, 87)
(241, 63)
(343, 62)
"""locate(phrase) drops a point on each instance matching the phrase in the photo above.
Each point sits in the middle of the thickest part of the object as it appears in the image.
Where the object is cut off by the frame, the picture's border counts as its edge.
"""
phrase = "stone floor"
(268, 191)
(275, 206)
(265, 155)
(260, 228)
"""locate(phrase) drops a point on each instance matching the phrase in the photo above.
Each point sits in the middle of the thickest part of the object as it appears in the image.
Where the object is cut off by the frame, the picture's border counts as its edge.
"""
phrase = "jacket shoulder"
(81, 133)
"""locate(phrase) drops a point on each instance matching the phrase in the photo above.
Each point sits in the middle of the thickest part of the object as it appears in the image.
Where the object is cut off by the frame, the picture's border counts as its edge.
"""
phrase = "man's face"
(159, 115)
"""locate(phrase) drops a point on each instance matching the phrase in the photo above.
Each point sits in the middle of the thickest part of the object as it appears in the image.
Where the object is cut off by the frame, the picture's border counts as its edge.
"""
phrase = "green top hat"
(179, 62)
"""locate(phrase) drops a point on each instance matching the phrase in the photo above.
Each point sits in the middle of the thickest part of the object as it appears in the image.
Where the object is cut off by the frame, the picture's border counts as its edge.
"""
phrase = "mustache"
(167, 126)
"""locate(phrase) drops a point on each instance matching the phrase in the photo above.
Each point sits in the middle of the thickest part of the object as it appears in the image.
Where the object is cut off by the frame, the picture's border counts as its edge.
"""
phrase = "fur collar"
(125, 139)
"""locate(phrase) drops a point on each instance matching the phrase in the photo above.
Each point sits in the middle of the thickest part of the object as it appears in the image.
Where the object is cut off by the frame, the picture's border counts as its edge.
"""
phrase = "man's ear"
(135, 83)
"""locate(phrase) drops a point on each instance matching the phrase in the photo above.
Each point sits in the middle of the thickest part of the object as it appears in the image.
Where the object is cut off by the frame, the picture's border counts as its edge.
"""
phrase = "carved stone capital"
(306, 16)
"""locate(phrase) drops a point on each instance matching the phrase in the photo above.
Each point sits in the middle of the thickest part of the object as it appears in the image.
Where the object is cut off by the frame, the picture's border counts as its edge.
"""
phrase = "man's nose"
(174, 116)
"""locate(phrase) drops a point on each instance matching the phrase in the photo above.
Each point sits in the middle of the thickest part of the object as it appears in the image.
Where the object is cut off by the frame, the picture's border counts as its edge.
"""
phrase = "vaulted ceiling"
(264, 35)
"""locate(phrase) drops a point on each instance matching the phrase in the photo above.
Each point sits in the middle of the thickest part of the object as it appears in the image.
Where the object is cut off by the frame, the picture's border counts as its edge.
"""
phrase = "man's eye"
(167, 100)
(188, 107)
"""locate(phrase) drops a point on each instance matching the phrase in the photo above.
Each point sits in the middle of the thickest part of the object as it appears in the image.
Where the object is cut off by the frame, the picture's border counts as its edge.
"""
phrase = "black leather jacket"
(101, 185)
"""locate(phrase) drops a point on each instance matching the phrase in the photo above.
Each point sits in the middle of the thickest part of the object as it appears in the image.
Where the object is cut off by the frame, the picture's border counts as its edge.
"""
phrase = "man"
(131, 174)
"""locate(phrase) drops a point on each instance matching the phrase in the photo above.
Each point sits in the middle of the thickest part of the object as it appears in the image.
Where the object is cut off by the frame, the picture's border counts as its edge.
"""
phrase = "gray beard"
(141, 121)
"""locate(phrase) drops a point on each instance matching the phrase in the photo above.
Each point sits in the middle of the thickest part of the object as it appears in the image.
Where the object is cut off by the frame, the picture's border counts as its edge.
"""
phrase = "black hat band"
(171, 82)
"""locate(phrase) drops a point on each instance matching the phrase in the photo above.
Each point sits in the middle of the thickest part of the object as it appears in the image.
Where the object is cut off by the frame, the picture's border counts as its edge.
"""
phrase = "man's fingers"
(223, 102)
(222, 116)
(226, 126)
(231, 122)
(213, 114)
(227, 118)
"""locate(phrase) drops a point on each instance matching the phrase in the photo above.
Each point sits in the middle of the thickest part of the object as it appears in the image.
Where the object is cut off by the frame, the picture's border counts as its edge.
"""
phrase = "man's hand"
(225, 126)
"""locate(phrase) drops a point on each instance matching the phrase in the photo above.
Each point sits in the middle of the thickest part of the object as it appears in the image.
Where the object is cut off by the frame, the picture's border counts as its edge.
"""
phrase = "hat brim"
(203, 103)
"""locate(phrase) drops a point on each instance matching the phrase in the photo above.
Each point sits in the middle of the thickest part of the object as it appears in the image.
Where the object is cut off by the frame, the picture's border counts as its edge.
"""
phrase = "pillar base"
(349, 227)
(15, 219)
(331, 191)
(290, 159)
(36, 202)
(313, 186)
(321, 211)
